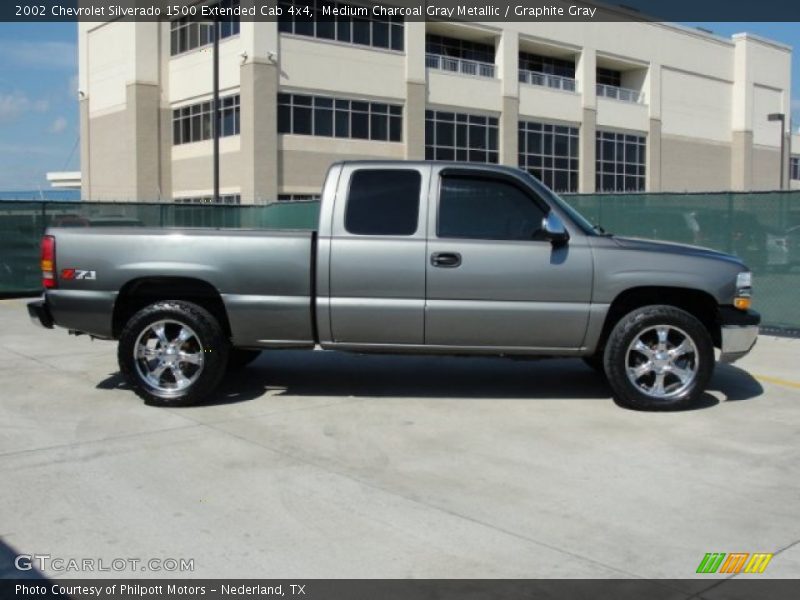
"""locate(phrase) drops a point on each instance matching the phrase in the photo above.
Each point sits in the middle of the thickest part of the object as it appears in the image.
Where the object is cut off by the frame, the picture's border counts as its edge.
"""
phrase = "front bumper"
(739, 331)
(40, 314)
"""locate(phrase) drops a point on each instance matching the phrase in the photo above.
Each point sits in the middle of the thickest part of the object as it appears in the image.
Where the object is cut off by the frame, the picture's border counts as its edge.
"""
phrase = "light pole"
(782, 118)
(216, 107)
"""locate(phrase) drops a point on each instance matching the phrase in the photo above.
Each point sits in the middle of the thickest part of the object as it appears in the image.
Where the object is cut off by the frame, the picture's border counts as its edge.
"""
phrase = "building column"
(86, 163)
(509, 132)
(742, 161)
(165, 155)
(259, 78)
(121, 149)
(508, 72)
(742, 119)
(259, 131)
(653, 162)
(586, 76)
(144, 121)
(587, 141)
(414, 121)
(652, 86)
(416, 91)
(787, 159)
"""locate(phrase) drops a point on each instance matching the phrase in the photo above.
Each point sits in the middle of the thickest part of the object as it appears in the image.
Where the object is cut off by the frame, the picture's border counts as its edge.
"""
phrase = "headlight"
(744, 280)
(744, 290)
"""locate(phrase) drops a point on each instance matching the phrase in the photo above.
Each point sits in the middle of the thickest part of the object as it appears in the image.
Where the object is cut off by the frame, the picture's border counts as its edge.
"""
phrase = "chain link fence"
(761, 228)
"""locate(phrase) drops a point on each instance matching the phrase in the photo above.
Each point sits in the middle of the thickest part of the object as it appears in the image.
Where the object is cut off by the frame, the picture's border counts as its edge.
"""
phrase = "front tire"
(173, 353)
(658, 358)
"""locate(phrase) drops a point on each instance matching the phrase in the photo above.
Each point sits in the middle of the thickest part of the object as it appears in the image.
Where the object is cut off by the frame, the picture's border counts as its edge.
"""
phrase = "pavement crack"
(98, 441)
(270, 413)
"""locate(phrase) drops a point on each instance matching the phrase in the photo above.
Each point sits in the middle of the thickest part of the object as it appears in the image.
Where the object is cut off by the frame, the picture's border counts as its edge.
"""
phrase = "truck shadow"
(296, 373)
(27, 570)
(302, 373)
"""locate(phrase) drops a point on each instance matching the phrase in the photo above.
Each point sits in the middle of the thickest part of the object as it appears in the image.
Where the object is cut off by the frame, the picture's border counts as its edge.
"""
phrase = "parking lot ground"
(323, 465)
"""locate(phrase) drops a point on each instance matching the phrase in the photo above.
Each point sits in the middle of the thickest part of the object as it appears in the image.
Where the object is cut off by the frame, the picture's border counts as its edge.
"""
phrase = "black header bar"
(414, 10)
(712, 587)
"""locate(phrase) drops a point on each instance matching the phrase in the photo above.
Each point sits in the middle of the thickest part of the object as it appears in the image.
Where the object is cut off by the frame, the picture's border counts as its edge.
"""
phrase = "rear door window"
(383, 202)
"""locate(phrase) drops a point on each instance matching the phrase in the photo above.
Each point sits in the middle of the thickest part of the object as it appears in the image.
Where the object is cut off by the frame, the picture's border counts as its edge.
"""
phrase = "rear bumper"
(40, 314)
(739, 331)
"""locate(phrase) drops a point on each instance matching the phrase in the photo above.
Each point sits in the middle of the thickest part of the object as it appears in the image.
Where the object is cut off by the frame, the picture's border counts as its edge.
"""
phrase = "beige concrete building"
(619, 106)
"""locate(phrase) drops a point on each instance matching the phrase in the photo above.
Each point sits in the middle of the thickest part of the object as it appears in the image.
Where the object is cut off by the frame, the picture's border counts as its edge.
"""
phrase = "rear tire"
(658, 358)
(173, 353)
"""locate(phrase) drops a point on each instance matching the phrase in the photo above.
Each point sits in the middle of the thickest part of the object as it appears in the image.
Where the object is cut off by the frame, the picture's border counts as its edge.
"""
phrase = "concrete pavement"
(325, 465)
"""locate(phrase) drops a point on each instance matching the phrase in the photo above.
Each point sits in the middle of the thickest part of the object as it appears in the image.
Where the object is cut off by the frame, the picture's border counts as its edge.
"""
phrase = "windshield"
(576, 217)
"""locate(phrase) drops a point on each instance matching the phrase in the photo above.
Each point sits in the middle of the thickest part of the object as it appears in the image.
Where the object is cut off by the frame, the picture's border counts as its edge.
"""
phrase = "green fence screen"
(762, 228)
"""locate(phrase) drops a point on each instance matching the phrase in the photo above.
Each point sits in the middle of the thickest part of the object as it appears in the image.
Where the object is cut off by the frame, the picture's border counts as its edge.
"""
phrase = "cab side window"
(488, 209)
(383, 202)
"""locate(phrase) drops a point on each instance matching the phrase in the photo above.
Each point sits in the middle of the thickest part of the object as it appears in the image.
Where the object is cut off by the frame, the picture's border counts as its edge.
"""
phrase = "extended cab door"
(493, 280)
(377, 255)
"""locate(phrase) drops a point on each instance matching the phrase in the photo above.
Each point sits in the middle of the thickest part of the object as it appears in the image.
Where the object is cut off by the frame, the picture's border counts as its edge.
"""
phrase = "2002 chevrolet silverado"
(414, 257)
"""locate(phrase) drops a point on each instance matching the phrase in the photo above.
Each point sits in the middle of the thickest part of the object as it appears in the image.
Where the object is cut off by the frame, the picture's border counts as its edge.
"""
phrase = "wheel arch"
(143, 291)
(698, 303)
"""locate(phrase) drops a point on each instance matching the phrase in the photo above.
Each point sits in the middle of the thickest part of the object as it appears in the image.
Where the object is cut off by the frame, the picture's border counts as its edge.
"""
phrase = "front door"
(492, 281)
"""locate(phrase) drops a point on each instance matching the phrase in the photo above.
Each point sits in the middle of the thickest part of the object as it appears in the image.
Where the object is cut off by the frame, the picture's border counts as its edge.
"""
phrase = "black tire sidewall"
(210, 334)
(631, 325)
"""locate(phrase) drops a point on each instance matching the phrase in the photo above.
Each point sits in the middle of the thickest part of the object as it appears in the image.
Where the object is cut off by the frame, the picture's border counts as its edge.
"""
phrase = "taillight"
(48, 262)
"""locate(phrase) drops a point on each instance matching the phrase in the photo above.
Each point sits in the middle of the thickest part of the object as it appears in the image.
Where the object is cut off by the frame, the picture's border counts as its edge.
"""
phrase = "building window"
(455, 48)
(460, 137)
(487, 209)
(338, 117)
(188, 33)
(195, 123)
(609, 77)
(547, 64)
(223, 199)
(550, 153)
(794, 170)
(341, 22)
(621, 162)
(383, 202)
(298, 197)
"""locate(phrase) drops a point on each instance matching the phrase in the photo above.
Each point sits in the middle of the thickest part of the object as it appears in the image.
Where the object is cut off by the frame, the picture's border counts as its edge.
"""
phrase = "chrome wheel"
(662, 361)
(168, 357)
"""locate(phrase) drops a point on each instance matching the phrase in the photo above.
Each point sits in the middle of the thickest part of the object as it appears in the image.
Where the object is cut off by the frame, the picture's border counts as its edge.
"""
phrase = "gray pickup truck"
(409, 257)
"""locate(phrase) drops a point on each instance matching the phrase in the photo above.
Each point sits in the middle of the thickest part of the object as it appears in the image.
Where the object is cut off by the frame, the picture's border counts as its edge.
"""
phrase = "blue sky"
(38, 102)
(39, 109)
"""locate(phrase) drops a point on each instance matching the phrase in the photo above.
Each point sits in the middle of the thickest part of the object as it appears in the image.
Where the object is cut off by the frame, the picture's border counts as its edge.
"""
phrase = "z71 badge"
(70, 274)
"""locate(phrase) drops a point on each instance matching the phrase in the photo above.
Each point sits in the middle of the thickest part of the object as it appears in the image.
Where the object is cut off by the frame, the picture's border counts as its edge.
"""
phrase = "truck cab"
(458, 258)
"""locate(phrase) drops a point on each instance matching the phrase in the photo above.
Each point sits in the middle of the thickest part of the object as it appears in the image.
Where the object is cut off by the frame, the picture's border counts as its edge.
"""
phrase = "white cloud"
(58, 126)
(15, 104)
(40, 55)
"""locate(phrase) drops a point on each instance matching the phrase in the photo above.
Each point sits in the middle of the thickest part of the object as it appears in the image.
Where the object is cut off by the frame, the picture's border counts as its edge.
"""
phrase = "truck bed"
(263, 277)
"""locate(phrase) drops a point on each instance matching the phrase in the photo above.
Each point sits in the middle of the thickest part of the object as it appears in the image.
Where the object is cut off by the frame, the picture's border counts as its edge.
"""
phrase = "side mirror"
(554, 230)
